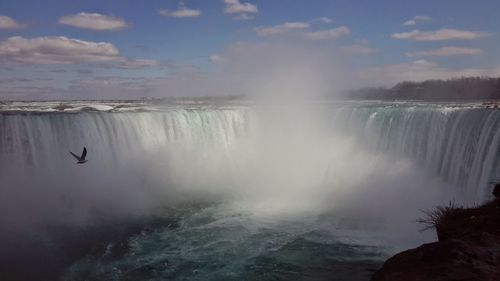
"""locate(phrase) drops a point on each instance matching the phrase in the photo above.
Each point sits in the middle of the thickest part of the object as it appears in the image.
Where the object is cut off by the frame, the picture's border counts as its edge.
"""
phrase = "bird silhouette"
(81, 159)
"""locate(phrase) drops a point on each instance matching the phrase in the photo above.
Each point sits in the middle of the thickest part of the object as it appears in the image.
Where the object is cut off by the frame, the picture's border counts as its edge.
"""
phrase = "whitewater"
(233, 190)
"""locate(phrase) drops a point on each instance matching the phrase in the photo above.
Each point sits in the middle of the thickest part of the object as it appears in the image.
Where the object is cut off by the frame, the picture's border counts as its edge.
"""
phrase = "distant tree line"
(464, 88)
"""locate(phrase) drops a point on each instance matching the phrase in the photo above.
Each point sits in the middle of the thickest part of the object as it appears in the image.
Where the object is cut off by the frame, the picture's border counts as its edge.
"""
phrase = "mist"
(282, 157)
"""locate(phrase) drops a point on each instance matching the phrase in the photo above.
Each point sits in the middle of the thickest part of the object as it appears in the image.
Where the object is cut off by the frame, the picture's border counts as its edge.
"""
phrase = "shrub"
(438, 217)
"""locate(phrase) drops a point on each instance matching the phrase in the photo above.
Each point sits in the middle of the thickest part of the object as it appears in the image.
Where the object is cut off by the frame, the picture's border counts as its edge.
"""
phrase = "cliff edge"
(468, 247)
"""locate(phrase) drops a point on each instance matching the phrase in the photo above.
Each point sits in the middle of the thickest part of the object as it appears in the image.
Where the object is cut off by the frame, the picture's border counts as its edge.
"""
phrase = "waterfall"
(137, 160)
(459, 144)
(175, 186)
(41, 139)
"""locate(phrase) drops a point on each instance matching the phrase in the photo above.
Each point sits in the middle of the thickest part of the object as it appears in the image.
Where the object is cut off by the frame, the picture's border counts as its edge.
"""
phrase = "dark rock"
(470, 223)
(447, 260)
(468, 249)
(496, 190)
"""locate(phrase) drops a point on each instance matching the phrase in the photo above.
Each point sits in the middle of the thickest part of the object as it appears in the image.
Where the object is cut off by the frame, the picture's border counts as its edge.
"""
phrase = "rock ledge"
(468, 248)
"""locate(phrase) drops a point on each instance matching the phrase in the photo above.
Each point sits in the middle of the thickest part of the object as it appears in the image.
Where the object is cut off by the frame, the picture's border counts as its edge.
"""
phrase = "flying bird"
(81, 159)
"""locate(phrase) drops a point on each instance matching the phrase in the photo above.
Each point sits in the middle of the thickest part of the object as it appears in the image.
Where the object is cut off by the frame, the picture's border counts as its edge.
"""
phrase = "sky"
(122, 49)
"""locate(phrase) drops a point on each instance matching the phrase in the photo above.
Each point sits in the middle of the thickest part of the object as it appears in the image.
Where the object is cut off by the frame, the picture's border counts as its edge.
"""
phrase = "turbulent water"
(226, 192)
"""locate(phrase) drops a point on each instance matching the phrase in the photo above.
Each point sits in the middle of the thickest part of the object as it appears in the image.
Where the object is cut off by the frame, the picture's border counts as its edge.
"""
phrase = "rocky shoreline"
(468, 247)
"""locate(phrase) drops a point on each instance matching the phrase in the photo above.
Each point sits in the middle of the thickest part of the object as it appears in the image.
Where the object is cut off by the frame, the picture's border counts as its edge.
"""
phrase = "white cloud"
(136, 63)
(281, 28)
(236, 7)
(359, 49)
(242, 9)
(216, 59)
(447, 51)
(410, 23)
(422, 18)
(423, 64)
(243, 17)
(301, 27)
(9, 23)
(416, 19)
(93, 21)
(181, 12)
(333, 33)
(322, 20)
(62, 50)
(440, 34)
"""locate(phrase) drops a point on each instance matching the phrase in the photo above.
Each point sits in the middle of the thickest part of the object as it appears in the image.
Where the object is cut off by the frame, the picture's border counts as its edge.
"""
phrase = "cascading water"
(135, 155)
(212, 192)
(460, 144)
(34, 138)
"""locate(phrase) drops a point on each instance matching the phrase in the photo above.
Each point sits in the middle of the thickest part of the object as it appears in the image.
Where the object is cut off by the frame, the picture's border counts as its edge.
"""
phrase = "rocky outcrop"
(468, 248)
(451, 259)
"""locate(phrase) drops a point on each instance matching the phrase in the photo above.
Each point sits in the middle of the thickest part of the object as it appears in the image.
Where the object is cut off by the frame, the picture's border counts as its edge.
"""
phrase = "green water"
(220, 241)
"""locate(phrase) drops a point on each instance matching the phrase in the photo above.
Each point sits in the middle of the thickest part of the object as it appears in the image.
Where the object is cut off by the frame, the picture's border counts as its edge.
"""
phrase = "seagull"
(81, 159)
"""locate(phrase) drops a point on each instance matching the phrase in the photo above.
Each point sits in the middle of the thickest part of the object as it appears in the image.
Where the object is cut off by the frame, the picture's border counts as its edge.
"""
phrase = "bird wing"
(76, 156)
(84, 153)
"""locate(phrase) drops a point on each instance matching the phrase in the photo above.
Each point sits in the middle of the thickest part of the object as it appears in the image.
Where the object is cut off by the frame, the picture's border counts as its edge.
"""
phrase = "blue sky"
(129, 48)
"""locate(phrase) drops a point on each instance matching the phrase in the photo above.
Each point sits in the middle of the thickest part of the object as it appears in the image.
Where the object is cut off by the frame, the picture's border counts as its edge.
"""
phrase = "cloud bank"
(63, 50)
(447, 51)
(303, 29)
(440, 34)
